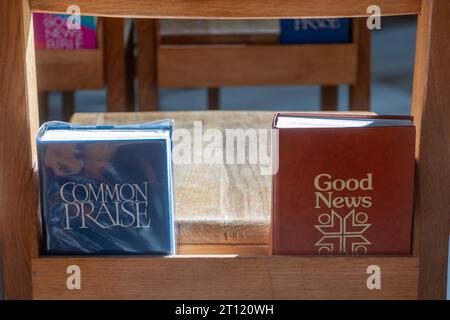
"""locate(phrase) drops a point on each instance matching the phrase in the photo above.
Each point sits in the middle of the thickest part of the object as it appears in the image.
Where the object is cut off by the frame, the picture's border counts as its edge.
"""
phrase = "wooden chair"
(174, 54)
(108, 67)
(27, 274)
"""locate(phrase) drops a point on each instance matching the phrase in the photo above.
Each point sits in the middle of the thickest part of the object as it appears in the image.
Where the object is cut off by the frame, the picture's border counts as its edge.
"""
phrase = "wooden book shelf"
(224, 209)
(27, 274)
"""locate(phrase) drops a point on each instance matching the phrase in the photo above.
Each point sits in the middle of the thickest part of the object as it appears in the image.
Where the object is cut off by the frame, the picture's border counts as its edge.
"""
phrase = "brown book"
(344, 184)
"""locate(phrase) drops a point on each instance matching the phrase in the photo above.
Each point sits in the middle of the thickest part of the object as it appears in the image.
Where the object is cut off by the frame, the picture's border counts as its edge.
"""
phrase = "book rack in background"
(68, 71)
(247, 53)
(89, 69)
(28, 274)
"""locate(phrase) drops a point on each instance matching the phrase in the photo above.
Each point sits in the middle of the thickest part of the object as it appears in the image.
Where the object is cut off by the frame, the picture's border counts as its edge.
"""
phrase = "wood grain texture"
(115, 65)
(225, 277)
(360, 91)
(234, 65)
(240, 249)
(64, 70)
(431, 102)
(18, 122)
(31, 96)
(70, 70)
(146, 30)
(215, 203)
(230, 8)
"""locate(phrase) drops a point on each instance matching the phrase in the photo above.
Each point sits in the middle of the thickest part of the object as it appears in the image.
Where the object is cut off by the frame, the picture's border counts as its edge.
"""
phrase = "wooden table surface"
(220, 208)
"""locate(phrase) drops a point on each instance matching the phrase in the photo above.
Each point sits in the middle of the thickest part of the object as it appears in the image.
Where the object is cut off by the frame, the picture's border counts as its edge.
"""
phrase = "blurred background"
(388, 62)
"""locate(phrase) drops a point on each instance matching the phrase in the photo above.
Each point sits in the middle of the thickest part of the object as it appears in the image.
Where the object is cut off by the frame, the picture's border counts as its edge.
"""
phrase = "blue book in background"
(315, 31)
(106, 189)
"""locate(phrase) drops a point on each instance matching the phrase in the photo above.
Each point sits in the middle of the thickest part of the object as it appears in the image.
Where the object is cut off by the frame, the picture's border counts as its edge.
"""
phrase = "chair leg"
(43, 97)
(213, 98)
(329, 98)
(147, 35)
(359, 95)
(68, 104)
(430, 108)
(130, 69)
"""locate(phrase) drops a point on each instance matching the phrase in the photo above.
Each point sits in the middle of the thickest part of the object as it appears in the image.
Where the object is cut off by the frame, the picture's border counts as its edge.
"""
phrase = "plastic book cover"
(51, 32)
(315, 31)
(106, 189)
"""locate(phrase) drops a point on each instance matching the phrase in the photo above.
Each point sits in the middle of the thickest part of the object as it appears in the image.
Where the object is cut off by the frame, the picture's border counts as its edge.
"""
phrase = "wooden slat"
(18, 122)
(191, 277)
(230, 8)
(115, 65)
(431, 102)
(64, 70)
(216, 66)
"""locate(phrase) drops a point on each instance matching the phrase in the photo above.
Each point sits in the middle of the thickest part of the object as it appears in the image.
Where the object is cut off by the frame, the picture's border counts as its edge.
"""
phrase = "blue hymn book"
(315, 31)
(106, 189)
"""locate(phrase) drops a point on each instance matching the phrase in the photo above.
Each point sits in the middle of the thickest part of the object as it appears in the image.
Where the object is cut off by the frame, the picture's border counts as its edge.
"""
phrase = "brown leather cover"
(374, 217)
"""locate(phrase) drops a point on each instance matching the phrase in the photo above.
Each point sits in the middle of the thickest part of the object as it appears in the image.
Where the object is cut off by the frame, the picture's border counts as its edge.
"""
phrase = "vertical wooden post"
(147, 44)
(43, 102)
(18, 122)
(329, 98)
(431, 101)
(68, 104)
(359, 96)
(213, 98)
(115, 69)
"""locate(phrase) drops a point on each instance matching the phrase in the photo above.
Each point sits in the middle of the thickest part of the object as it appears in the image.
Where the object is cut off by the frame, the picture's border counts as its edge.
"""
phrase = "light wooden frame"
(23, 266)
